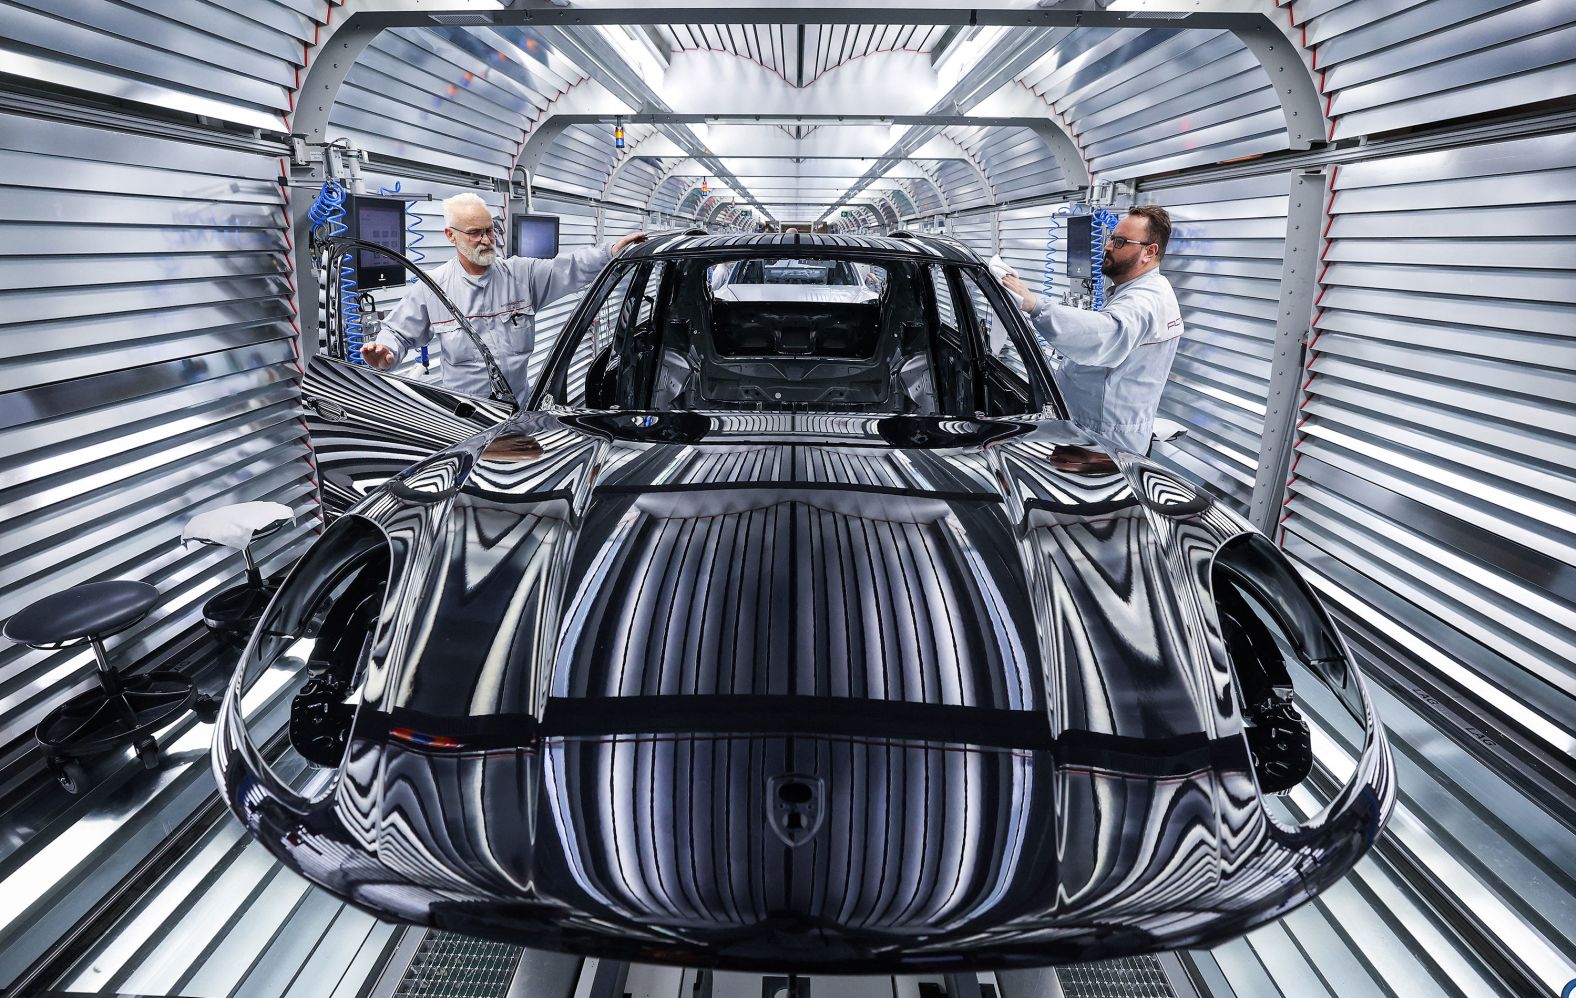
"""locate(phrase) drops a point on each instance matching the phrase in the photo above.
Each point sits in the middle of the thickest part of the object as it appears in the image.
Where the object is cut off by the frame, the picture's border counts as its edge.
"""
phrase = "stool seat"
(237, 525)
(91, 610)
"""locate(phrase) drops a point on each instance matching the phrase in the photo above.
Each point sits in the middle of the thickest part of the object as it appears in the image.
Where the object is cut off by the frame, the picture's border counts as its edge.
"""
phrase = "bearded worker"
(499, 296)
(1118, 359)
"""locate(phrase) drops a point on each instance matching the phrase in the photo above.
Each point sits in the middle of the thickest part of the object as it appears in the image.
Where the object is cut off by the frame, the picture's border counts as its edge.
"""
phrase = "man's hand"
(1020, 291)
(629, 240)
(377, 355)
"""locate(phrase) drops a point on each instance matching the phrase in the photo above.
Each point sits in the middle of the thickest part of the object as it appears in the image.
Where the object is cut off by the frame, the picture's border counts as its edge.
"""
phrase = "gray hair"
(453, 206)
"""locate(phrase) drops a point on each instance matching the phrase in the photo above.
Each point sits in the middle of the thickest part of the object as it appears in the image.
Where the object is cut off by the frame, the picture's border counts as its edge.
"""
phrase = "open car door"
(368, 425)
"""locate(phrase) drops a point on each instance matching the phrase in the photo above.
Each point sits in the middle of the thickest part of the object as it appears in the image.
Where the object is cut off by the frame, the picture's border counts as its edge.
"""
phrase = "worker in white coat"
(1117, 359)
(499, 297)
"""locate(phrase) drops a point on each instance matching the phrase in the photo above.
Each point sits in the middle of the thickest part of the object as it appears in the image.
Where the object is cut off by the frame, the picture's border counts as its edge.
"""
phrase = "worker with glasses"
(1117, 360)
(499, 295)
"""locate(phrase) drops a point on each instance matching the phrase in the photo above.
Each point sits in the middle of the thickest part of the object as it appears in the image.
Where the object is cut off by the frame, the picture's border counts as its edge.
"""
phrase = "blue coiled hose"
(328, 210)
(1104, 221)
(413, 236)
(1052, 238)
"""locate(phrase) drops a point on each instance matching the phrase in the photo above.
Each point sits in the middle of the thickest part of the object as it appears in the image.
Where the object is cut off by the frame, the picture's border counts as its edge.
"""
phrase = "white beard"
(481, 257)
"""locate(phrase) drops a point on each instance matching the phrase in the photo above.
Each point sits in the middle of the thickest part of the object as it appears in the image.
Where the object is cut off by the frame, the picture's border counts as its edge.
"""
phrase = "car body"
(821, 666)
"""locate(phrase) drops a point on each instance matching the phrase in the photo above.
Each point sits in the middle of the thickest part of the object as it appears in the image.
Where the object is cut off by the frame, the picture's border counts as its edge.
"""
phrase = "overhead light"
(464, 19)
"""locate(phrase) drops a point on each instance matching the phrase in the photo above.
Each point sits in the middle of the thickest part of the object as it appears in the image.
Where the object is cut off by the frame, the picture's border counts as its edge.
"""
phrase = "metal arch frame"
(975, 164)
(708, 214)
(329, 62)
(678, 202)
(667, 175)
(689, 194)
(622, 164)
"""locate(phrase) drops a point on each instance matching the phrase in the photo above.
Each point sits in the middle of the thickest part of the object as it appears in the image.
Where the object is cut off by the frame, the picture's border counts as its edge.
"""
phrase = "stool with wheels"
(232, 613)
(124, 710)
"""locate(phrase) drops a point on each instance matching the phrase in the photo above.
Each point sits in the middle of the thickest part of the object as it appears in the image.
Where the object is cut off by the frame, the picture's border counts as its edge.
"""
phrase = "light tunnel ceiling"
(803, 122)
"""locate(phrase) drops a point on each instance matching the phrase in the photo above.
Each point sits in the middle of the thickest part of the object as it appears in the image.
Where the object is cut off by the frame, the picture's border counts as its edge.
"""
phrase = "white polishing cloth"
(999, 267)
(234, 525)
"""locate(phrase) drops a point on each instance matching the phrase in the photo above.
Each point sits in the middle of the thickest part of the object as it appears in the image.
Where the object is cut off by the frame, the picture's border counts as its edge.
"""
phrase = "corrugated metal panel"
(1433, 471)
(1018, 161)
(924, 195)
(1390, 64)
(977, 232)
(964, 187)
(670, 193)
(637, 181)
(620, 221)
(415, 95)
(232, 62)
(576, 228)
(150, 374)
(1146, 102)
(826, 46)
(1224, 261)
(578, 162)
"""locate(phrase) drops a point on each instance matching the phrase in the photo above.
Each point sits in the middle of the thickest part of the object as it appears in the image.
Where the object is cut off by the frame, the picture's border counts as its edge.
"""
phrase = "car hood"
(750, 688)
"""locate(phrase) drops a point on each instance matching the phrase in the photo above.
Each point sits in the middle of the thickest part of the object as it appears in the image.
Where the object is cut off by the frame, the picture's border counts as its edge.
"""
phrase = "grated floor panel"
(449, 965)
(1129, 977)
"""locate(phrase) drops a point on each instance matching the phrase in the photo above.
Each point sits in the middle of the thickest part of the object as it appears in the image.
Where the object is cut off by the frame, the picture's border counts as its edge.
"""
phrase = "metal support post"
(1299, 283)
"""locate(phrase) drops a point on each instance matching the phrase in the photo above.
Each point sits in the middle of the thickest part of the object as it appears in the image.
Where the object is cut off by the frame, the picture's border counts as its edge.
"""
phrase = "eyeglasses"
(1121, 242)
(476, 234)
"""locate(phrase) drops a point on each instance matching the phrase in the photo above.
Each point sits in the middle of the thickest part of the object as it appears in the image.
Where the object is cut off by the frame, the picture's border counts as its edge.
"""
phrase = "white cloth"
(1000, 268)
(501, 305)
(234, 525)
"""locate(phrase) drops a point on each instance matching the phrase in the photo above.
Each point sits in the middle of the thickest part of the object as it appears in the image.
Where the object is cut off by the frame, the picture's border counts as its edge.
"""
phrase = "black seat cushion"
(88, 610)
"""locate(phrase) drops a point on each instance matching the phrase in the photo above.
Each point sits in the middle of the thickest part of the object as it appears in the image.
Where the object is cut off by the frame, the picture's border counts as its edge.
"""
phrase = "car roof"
(924, 247)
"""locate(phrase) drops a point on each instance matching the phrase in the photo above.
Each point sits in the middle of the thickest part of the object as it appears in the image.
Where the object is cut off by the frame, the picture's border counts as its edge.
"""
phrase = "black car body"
(747, 643)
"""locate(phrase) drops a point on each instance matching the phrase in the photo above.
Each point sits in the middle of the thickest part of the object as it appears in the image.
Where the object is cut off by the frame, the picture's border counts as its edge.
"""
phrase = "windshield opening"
(888, 335)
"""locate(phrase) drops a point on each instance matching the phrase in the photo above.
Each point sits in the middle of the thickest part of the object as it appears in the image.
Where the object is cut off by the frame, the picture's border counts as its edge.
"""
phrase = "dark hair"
(1158, 221)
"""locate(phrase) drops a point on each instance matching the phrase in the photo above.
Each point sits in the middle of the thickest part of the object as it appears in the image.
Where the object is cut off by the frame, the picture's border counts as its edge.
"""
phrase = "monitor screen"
(381, 221)
(533, 235)
(1080, 246)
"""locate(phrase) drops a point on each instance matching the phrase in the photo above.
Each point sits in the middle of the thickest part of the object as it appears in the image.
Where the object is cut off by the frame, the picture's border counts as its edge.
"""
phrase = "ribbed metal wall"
(231, 62)
(965, 188)
(1432, 491)
(579, 161)
(416, 95)
(1017, 161)
(150, 374)
(637, 181)
(1146, 102)
(1224, 261)
(976, 231)
(1394, 65)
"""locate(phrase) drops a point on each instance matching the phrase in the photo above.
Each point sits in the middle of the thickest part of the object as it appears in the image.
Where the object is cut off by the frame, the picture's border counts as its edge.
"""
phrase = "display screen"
(534, 235)
(1080, 248)
(381, 221)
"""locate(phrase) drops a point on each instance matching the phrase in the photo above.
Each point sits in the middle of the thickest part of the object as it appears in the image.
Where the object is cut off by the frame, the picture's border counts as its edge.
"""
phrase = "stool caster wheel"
(148, 753)
(67, 772)
(206, 708)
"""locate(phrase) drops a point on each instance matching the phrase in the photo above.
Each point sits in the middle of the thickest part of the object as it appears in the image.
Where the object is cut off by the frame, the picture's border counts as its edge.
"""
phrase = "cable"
(328, 211)
(413, 237)
(1104, 219)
